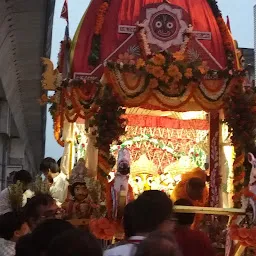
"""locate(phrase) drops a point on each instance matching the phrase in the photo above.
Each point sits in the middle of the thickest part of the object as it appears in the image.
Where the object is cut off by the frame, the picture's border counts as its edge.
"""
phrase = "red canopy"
(127, 12)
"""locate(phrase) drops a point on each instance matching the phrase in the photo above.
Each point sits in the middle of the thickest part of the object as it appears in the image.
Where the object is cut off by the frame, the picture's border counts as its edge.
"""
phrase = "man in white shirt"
(58, 180)
(151, 211)
(22, 176)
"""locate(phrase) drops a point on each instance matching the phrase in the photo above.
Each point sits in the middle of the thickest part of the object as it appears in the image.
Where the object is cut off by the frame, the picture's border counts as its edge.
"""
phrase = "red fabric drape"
(201, 16)
(165, 122)
(127, 12)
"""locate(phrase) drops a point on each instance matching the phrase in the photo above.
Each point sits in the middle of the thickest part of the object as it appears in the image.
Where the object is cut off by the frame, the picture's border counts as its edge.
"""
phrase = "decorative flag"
(228, 24)
(64, 12)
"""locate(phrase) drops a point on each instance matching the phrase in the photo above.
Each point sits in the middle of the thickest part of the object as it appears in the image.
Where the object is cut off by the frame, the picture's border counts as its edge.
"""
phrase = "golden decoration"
(51, 78)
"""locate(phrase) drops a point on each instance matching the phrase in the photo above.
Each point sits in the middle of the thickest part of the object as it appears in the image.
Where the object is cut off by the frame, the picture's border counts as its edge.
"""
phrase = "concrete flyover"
(25, 36)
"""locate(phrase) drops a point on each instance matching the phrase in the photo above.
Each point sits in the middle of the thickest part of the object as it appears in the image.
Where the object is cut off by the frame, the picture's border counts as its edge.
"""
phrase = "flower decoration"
(143, 41)
(240, 117)
(102, 228)
(225, 34)
(189, 73)
(158, 59)
(100, 17)
(179, 56)
(94, 56)
(164, 69)
(245, 236)
(140, 63)
(110, 124)
(153, 83)
(126, 58)
(203, 68)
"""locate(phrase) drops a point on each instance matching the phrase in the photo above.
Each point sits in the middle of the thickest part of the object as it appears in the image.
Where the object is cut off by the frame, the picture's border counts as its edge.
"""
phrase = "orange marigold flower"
(189, 73)
(177, 77)
(157, 72)
(179, 56)
(173, 70)
(100, 18)
(158, 59)
(165, 78)
(140, 63)
(153, 83)
(126, 58)
(149, 68)
(203, 68)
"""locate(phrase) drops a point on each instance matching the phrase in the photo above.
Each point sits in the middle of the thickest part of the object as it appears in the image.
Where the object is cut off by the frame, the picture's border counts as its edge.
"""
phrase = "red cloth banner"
(166, 122)
(64, 11)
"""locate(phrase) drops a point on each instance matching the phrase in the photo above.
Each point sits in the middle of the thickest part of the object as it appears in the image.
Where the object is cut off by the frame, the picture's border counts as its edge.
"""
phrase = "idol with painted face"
(80, 206)
(79, 191)
(144, 175)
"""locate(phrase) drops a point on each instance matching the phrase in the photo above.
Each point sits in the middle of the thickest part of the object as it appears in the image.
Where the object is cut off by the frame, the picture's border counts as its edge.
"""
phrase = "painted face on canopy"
(80, 192)
(163, 26)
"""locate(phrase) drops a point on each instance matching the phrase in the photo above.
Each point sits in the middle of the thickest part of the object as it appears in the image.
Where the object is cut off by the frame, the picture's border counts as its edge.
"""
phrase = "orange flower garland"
(57, 130)
(94, 57)
(246, 237)
(101, 17)
(102, 228)
(165, 69)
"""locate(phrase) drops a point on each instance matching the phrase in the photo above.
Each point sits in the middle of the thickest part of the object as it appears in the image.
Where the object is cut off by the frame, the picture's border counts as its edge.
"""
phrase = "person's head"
(153, 210)
(195, 188)
(25, 246)
(39, 208)
(75, 242)
(79, 191)
(184, 219)
(158, 243)
(123, 168)
(23, 177)
(123, 161)
(45, 233)
(59, 162)
(49, 166)
(13, 226)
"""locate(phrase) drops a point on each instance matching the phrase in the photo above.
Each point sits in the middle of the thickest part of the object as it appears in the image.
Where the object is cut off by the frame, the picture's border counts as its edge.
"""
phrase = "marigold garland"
(225, 34)
(57, 130)
(102, 228)
(94, 56)
(110, 125)
(100, 17)
(240, 117)
(166, 70)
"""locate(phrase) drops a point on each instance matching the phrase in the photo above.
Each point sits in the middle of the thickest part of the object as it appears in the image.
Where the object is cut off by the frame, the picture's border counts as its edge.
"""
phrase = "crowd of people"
(151, 227)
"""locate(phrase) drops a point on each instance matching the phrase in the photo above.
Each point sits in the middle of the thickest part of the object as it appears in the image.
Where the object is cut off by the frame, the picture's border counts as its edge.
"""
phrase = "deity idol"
(119, 192)
(80, 205)
(144, 175)
(193, 188)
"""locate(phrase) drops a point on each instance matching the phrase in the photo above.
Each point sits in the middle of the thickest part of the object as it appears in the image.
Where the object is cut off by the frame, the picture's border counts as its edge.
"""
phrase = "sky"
(240, 13)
